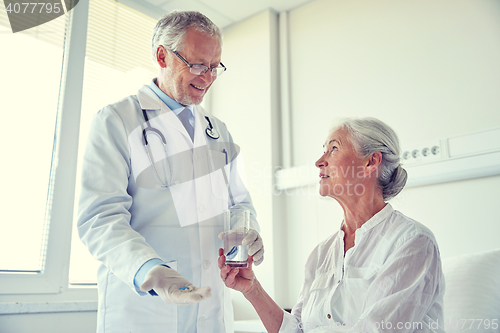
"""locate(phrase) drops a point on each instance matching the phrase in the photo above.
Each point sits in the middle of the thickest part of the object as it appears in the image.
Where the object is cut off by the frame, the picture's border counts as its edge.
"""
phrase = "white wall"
(73, 309)
(74, 322)
(429, 69)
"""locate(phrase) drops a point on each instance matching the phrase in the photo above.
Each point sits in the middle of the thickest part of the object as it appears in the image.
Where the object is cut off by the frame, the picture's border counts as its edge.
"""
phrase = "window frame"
(53, 279)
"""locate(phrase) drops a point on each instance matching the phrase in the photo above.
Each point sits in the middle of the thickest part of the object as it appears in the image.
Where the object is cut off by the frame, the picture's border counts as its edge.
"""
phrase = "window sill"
(47, 307)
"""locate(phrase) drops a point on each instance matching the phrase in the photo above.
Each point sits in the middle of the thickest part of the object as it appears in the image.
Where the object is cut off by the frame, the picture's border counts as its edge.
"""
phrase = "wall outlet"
(422, 152)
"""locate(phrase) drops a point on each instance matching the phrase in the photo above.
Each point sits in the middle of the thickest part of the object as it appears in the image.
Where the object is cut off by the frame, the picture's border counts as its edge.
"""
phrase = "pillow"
(472, 294)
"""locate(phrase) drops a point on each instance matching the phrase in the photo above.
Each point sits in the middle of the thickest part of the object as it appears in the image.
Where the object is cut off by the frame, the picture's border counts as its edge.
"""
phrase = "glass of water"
(236, 227)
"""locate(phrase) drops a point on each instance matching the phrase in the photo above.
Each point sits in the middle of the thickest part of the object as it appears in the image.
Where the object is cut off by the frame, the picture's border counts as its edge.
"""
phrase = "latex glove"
(166, 283)
(254, 242)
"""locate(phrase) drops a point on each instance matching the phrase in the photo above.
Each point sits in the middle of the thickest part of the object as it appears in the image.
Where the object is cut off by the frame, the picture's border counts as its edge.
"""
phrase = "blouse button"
(328, 316)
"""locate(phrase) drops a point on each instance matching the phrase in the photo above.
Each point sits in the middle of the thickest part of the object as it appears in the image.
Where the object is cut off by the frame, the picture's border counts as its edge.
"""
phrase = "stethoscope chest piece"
(212, 132)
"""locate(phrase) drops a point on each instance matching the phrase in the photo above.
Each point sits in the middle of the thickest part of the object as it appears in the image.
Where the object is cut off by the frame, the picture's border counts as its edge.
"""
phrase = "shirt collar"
(377, 218)
(172, 104)
(374, 220)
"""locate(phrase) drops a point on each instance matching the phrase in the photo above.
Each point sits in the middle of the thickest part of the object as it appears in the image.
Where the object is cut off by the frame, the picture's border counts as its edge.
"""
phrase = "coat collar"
(148, 100)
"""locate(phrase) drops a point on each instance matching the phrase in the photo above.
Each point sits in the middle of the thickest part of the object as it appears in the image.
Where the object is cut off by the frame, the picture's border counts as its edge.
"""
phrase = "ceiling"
(222, 12)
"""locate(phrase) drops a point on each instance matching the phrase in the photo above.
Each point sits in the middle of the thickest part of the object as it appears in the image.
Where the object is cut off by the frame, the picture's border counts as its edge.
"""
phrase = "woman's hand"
(241, 279)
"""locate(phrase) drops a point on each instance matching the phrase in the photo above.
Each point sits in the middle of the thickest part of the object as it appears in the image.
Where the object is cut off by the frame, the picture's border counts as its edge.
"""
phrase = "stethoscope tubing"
(145, 142)
(210, 131)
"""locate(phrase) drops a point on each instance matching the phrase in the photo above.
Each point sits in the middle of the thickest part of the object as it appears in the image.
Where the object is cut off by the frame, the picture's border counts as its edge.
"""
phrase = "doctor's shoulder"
(126, 108)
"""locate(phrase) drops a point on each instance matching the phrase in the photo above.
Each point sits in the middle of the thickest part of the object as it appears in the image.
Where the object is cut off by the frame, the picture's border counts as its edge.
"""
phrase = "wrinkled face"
(341, 170)
(177, 81)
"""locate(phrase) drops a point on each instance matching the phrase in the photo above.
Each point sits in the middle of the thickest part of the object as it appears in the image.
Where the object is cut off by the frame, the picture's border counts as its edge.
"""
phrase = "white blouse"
(390, 281)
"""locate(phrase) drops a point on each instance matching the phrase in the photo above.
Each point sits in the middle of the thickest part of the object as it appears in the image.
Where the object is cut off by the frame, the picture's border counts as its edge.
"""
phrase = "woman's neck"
(357, 213)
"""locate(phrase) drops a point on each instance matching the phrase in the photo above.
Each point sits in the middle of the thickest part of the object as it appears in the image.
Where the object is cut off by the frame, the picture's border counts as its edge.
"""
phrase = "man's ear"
(372, 163)
(161, 56)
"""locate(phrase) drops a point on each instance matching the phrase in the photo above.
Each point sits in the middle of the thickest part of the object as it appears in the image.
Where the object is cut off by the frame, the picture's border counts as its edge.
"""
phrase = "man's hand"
(172, 287)
(255, 246)
(254, 242)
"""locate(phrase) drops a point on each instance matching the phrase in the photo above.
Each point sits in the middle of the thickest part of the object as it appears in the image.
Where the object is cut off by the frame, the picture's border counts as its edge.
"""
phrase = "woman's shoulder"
(325, 251)
(406, 228)
(326, 243)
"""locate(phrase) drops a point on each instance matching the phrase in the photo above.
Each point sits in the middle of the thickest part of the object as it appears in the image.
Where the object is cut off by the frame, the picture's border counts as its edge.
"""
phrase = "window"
(31, 74)
(45, 72)
(117, 63)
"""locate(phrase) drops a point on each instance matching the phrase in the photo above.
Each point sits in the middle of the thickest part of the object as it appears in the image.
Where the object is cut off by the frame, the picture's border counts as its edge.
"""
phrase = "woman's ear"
(161, 56)
(373, 162)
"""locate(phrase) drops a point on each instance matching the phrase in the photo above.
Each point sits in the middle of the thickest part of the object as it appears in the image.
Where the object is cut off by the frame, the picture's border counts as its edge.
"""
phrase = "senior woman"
(381, 271)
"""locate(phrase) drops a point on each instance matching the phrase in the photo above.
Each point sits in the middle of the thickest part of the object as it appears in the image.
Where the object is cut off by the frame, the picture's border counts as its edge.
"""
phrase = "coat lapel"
(149, 101)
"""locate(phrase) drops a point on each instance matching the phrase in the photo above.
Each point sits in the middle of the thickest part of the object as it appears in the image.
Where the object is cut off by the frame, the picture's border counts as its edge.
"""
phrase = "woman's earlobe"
(375, 159)
(373, 163)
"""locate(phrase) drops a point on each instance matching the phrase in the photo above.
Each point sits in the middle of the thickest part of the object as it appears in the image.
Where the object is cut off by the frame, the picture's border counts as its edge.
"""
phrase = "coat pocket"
(172, 264)
(122, 310)
(219, 175)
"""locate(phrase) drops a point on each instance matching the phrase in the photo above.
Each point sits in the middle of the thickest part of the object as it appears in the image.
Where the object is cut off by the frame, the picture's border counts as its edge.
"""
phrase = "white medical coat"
(390, 281)
(124, 220)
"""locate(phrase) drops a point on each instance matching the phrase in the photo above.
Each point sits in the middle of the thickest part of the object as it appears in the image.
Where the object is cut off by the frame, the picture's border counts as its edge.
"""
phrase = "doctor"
(158, 172)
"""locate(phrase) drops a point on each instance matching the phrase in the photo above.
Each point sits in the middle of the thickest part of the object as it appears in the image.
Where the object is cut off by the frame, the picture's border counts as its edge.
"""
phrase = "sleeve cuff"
(290, 324)
(141, 273)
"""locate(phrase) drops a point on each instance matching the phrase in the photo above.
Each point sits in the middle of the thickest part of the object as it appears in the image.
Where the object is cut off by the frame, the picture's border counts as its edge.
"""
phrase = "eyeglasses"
(198, 69)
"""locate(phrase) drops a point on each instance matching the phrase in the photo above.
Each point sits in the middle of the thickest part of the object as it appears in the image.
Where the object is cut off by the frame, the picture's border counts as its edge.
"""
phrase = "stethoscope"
(210, 131)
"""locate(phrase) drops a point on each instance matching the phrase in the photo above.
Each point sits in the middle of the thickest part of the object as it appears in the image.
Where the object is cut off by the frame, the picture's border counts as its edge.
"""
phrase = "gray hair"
(171, 28)
(370, 135)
